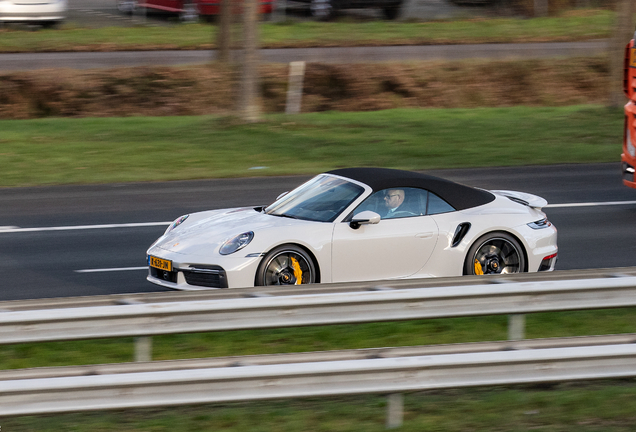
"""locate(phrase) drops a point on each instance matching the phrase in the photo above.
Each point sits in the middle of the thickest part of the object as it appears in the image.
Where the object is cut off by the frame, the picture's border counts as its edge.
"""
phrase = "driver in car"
(393, 200)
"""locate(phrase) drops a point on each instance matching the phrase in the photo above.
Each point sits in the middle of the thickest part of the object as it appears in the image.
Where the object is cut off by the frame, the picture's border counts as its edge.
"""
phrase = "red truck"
(628, 157)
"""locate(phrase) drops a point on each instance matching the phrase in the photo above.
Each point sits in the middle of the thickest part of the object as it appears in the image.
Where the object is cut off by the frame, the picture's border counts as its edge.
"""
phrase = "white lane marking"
(111, 269)
(15, 229)
(82, 227)
(591, 204)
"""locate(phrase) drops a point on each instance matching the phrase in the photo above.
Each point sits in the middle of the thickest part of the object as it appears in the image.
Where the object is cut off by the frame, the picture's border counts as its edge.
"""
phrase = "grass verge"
(596, 407)
(569, 26)
(320, 338)
(107, 150)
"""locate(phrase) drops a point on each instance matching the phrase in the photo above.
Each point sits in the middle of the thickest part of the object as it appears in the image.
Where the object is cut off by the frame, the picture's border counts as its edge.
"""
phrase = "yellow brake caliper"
(478, 269)
(298, 273)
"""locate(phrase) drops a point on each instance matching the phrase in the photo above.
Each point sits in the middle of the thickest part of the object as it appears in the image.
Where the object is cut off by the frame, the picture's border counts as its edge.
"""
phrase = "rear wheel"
(495, 253)
(286, 265)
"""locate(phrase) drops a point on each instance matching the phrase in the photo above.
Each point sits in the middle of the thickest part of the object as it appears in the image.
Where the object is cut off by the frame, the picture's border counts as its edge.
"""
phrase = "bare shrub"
(162, 91)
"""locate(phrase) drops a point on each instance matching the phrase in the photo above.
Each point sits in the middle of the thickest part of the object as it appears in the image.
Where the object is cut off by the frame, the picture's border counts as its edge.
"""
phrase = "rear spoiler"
(526, 199)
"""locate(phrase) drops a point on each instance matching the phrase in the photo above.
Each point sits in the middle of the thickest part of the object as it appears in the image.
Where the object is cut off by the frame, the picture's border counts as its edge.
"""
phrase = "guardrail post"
(516, 327)
(143, 349)
(295, 87)
(394, 410)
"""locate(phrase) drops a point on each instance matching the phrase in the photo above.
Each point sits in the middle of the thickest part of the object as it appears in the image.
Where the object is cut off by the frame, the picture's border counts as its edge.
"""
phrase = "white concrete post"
(516, 327)
(295, 87)
(143, 349)
(394, 410)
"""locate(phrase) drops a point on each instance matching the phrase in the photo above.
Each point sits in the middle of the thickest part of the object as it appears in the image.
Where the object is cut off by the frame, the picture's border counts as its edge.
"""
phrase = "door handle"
(427, 235)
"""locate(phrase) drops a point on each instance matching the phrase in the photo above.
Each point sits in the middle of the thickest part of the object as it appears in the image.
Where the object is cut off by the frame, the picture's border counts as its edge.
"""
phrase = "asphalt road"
(101, 13)
(595, 232)
(91, 60)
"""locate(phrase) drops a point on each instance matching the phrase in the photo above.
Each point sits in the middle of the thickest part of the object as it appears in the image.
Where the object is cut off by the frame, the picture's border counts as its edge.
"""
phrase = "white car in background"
(337, 227)
(43, 12)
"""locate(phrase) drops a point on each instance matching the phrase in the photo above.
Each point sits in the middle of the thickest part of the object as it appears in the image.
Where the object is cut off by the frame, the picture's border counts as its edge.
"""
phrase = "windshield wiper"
(285, 216)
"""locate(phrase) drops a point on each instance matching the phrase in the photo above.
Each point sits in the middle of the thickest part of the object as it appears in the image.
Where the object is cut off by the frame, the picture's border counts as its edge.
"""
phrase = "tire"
(190, 12)
(278, 267)
(495, 253)
(48, 25)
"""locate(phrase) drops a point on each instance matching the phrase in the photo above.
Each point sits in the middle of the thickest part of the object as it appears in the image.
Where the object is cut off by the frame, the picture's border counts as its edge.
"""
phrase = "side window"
(396, 203)
(437, 205)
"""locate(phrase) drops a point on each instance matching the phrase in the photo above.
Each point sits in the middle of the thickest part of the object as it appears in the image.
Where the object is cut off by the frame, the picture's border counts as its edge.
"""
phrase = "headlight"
(236, 243)
(178, 221)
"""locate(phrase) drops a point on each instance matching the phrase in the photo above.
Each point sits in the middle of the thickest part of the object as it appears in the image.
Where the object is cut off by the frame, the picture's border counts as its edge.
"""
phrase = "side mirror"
(364, 218)
(281, 195)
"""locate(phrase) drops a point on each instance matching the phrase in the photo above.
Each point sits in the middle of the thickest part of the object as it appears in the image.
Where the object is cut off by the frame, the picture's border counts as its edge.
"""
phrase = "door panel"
(393, 248)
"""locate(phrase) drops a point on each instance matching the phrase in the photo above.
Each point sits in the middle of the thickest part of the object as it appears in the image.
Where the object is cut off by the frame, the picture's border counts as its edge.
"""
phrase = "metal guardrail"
(236, 293)
(49, 390)
(380, 375)
(315, 356)
(314, 309)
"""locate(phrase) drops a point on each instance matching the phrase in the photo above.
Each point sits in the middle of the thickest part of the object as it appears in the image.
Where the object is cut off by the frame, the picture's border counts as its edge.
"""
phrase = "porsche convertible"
(357, 224)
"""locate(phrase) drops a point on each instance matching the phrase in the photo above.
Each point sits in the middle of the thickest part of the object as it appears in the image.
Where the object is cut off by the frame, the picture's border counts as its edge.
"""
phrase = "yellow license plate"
(159, 263)
(632, 57)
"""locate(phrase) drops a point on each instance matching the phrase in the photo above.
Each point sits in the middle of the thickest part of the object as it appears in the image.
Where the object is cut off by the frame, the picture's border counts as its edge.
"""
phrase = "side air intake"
(460, 233)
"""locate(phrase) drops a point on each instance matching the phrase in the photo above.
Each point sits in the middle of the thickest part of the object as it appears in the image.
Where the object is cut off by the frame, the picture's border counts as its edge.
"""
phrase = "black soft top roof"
(459, 196)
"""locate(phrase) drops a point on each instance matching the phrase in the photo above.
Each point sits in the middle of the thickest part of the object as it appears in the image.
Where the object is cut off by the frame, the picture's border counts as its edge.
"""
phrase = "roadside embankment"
(199, 90)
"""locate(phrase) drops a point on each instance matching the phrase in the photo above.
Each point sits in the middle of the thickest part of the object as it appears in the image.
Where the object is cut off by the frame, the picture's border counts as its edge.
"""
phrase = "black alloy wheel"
(495, 253)
(286, 265)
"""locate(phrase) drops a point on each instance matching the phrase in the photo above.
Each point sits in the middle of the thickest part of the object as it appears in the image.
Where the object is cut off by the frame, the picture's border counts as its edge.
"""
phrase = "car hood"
(211, 229)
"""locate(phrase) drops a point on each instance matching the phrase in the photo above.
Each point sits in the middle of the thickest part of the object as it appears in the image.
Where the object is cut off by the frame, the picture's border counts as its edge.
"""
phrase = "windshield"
(321, 199)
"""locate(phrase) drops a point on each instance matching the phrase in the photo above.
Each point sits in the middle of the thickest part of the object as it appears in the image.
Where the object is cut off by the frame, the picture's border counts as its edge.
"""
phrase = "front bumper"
(197, 278)
(190, 273)
(628, 155)
(627, 172)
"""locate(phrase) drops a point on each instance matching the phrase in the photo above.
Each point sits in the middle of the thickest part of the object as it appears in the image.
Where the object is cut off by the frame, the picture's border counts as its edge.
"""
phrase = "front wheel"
(286, 265)
(495, 253)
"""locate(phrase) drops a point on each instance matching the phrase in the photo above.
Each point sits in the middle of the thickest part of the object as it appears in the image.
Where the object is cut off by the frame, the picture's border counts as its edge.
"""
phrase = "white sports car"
(357, 224)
